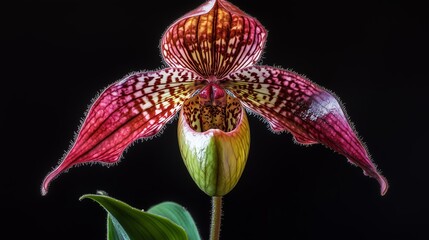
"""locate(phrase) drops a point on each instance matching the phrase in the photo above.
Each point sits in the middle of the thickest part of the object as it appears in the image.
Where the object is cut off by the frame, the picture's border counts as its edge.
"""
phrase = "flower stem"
(216, 217)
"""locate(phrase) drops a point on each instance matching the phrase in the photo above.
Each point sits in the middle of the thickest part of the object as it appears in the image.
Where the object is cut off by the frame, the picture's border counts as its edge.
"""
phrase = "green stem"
(216, 218)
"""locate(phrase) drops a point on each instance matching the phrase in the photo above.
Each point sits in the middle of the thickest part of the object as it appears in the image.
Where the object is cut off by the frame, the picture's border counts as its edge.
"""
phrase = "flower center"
(212, 108)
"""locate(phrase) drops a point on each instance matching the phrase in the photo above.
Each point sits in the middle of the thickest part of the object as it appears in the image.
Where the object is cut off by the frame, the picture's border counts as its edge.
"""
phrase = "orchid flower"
(212, 81)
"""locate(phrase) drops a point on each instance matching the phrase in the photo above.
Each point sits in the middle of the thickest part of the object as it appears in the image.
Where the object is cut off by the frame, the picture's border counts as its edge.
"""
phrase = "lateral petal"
(290, 102)
(135, 107)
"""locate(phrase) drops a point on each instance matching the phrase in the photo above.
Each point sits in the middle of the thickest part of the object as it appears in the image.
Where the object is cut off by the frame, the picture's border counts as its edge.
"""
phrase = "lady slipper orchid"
(213, 79)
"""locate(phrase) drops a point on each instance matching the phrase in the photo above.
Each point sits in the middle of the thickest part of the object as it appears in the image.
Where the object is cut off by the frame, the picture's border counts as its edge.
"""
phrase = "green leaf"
(138, 225)
(179, 215)
(114, 230)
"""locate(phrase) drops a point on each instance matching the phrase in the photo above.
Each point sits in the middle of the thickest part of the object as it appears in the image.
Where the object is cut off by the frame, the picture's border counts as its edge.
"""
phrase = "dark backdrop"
(58, 55)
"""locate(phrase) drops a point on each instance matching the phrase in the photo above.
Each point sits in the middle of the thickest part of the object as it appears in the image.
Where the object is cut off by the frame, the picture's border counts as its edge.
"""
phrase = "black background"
(58, 55)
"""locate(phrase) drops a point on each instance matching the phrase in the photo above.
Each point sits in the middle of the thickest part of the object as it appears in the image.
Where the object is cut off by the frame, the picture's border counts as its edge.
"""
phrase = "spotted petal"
(136, 107)
(290, 102)
(213, 40)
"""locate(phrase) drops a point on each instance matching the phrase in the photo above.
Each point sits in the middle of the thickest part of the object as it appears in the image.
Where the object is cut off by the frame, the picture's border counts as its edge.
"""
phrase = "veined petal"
(312, 114)
(215, 39)
(136, 107)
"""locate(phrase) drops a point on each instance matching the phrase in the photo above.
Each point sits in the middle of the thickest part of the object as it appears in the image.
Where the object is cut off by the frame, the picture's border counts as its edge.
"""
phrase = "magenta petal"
(136, 107)
(292, 103)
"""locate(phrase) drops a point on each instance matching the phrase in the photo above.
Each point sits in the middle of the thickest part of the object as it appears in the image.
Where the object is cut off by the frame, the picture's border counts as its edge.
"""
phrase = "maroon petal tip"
(48, 179)
(384, 184)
